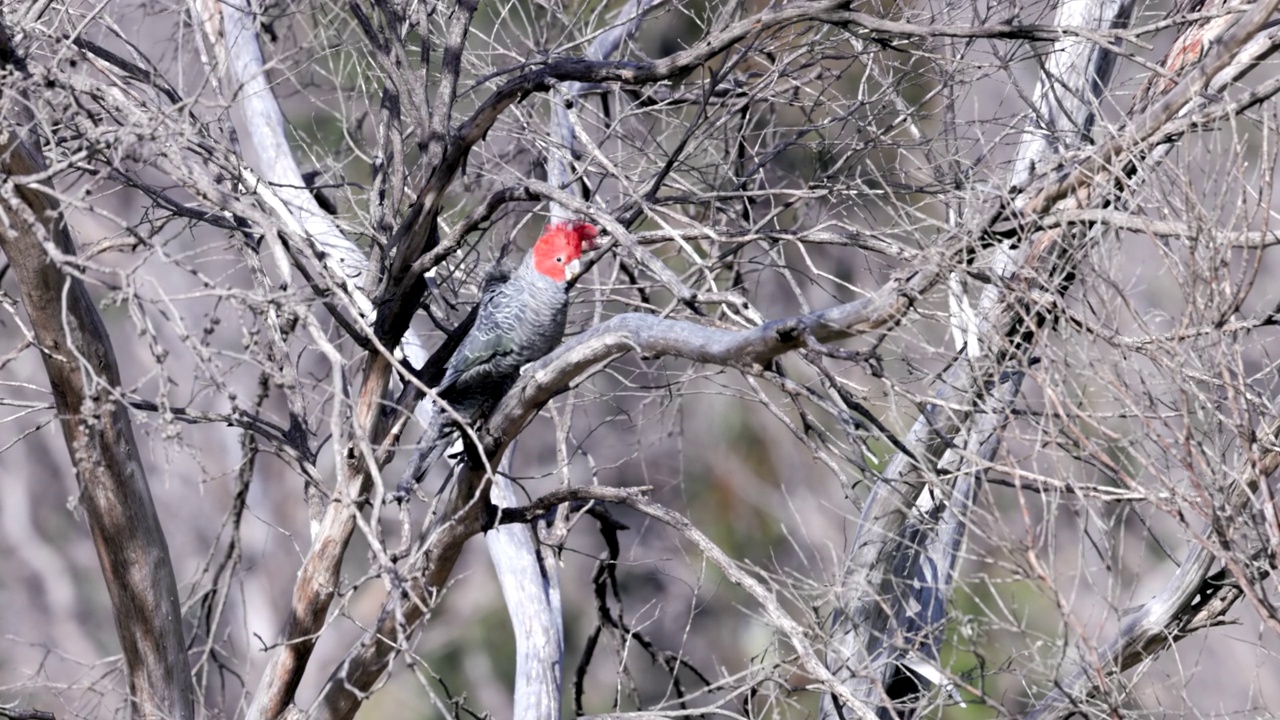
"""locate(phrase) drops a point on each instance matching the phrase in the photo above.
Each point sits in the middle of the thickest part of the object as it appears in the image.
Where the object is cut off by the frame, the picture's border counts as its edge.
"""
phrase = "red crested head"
(558, 253)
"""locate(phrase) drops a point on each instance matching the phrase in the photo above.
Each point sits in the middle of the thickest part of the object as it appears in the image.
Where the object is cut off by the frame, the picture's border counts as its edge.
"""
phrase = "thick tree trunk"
(85, 380)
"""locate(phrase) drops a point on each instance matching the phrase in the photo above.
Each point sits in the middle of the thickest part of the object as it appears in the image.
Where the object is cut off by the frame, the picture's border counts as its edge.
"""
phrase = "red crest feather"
(560, 244)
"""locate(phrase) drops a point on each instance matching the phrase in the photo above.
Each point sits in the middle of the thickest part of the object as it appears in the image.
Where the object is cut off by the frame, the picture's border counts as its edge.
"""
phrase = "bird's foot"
(401, 494)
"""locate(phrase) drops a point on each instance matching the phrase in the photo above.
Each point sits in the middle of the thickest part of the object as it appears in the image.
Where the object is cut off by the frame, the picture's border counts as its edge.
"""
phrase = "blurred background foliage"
(700, 436)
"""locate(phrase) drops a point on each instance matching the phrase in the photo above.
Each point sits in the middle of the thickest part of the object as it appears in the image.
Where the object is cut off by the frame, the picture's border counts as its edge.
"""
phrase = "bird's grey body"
(521, 318)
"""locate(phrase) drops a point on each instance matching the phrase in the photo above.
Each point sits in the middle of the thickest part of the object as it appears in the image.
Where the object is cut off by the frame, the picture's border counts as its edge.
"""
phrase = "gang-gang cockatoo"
(521, 318)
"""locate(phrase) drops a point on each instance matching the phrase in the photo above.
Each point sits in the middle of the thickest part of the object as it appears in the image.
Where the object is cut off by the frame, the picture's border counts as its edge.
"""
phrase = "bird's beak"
(572, 269)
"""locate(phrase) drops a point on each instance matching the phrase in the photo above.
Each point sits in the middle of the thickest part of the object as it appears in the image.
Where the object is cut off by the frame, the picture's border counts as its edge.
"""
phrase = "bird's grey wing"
(489, 339)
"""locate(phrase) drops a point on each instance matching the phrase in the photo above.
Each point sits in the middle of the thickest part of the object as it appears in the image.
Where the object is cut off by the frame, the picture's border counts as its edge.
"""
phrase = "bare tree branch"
(16, 714)
(531, 588)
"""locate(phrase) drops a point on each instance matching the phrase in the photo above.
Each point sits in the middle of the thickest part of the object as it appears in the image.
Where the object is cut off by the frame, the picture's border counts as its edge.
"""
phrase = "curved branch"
(576, 495)
(653, 337)
(1180, 606)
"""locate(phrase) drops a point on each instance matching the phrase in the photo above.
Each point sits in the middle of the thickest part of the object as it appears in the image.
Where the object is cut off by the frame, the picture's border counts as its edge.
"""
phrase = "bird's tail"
(437, 436)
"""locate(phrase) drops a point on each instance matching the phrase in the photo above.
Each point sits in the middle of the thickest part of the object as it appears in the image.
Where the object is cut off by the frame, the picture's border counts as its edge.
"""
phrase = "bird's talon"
(400, 495)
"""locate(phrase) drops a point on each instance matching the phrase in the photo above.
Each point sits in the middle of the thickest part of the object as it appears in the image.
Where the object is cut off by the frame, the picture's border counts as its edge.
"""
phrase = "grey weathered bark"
(85, 380)
(232, 32)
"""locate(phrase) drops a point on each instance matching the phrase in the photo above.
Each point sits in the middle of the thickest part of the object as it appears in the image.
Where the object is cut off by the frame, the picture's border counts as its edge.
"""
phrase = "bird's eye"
(559, 259)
